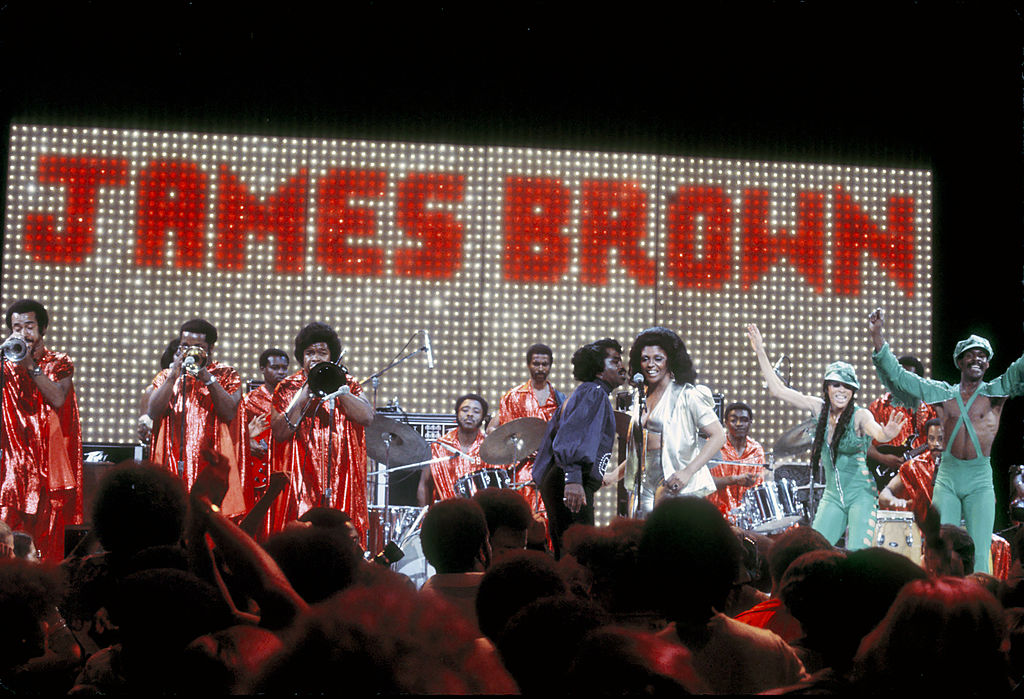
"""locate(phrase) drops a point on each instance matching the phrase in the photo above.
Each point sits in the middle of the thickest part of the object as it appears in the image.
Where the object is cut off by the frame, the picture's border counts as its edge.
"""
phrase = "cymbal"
(796, 439)
(513, 441)
(621, 423)
(407, 446)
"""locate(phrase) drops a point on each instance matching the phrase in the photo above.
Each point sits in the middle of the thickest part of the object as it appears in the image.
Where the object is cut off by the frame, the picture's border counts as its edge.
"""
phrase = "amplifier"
(99, 458)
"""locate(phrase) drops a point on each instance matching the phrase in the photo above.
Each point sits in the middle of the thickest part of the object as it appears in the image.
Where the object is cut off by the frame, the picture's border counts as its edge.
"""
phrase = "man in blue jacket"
(577, 447)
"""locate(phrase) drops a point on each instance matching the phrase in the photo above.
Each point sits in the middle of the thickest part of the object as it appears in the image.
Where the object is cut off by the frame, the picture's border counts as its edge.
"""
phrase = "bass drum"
(897, 531)
(403, 521)
(414, 564)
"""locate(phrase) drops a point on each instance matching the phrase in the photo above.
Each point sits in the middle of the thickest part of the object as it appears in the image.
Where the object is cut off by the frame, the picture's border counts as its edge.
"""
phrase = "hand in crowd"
(212, 481)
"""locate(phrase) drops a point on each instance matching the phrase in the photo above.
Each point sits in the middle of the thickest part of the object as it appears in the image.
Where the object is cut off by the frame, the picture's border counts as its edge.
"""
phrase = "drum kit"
(399, 447)
(792, 497)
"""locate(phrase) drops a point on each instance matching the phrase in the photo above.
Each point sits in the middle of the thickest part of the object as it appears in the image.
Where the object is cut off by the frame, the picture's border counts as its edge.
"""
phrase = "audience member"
(691, 558)
(772, 614)
(518, 579)
(541, 641)
(318, 561)
(609, 559)
(866, 581)
(508, 518)
(386, 639)
(620, 662)
(454, 540)
(941, 635)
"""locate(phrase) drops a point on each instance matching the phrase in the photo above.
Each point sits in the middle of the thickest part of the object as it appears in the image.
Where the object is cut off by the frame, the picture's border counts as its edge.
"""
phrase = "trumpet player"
(193, 403)
(320, 444)
(41, 466)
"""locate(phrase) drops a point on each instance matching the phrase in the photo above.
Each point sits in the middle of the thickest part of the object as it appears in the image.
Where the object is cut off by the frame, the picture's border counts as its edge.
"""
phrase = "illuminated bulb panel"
(803, 251)
(570, 256)
(126, 234)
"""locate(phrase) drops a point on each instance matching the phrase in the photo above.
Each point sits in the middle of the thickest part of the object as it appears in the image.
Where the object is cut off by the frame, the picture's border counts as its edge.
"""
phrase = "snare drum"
(897, 531)
(471, 483)
(403, 521)
(772, 506)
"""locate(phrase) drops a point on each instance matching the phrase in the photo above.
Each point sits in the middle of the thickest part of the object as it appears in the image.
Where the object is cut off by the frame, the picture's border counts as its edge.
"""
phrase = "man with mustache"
(42, 447)
(970, 412)
(535, 398)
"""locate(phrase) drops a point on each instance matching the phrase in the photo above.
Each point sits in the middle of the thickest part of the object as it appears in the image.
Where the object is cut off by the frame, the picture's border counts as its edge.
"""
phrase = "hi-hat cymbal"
(796, 439)
(513, 441)
(406, 444)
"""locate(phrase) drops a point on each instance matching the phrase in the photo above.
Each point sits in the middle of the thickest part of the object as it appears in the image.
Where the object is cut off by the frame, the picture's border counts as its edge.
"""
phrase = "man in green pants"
(970, 413)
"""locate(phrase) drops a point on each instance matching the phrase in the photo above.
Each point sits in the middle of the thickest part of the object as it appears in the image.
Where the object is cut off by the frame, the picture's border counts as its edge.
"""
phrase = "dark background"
(934, 86)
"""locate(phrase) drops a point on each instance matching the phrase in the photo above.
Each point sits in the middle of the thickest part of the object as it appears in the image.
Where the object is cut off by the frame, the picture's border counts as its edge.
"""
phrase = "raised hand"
(895, 425)
(875, 325)
(756, 341)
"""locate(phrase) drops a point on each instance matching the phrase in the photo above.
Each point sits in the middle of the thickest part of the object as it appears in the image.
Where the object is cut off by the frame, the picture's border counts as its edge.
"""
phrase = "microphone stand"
(184, 413)
(637, 437)
(375, 379)
(3, 421)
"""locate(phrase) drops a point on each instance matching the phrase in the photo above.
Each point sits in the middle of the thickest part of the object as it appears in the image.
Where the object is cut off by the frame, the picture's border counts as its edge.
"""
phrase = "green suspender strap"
(966, 423)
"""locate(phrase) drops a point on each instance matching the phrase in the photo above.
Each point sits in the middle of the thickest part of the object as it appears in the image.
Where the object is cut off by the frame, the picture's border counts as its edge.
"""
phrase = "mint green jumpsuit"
(850, 491)
(963, 488)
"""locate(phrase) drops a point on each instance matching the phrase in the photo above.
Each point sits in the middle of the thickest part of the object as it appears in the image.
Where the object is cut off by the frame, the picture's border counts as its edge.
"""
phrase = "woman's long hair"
(837, 434)
(679, 362)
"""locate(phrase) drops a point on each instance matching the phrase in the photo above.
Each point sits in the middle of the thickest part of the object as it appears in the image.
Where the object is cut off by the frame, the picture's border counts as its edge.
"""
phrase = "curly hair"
(837, 434)
(139, 505)
(29, 306)
(588, 360)
(679, 362)
(314, 333)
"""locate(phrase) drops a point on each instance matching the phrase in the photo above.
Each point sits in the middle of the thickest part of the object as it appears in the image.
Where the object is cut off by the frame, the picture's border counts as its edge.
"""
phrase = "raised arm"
(908, 388)
(225, 404)
(877, 432)
(775, 385)
(875, 323)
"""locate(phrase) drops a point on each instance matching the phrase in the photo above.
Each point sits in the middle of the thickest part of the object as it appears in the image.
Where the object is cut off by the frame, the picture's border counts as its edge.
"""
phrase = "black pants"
(552, 491)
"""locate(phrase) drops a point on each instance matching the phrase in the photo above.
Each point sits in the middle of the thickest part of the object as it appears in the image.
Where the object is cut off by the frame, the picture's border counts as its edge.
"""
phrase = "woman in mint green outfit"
(841, 441)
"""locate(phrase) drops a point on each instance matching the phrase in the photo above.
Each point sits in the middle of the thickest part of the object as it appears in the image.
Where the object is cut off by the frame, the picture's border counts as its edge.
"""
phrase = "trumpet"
(14, 348)
(193, 359)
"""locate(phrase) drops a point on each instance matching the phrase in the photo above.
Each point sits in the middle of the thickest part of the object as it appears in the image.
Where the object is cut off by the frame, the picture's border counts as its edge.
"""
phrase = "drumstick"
(453, 449)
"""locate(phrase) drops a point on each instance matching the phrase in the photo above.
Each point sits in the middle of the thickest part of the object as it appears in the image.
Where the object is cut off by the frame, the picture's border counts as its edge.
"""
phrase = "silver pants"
(653, 476)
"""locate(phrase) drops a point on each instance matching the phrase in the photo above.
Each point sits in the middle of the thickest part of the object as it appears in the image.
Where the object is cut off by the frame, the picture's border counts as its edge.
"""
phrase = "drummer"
(535, 398)
(456, 453)
(744, 457)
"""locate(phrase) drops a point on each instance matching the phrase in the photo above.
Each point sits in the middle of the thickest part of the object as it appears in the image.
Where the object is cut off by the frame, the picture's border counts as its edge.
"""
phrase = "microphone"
(429, 350)
(637, 380)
